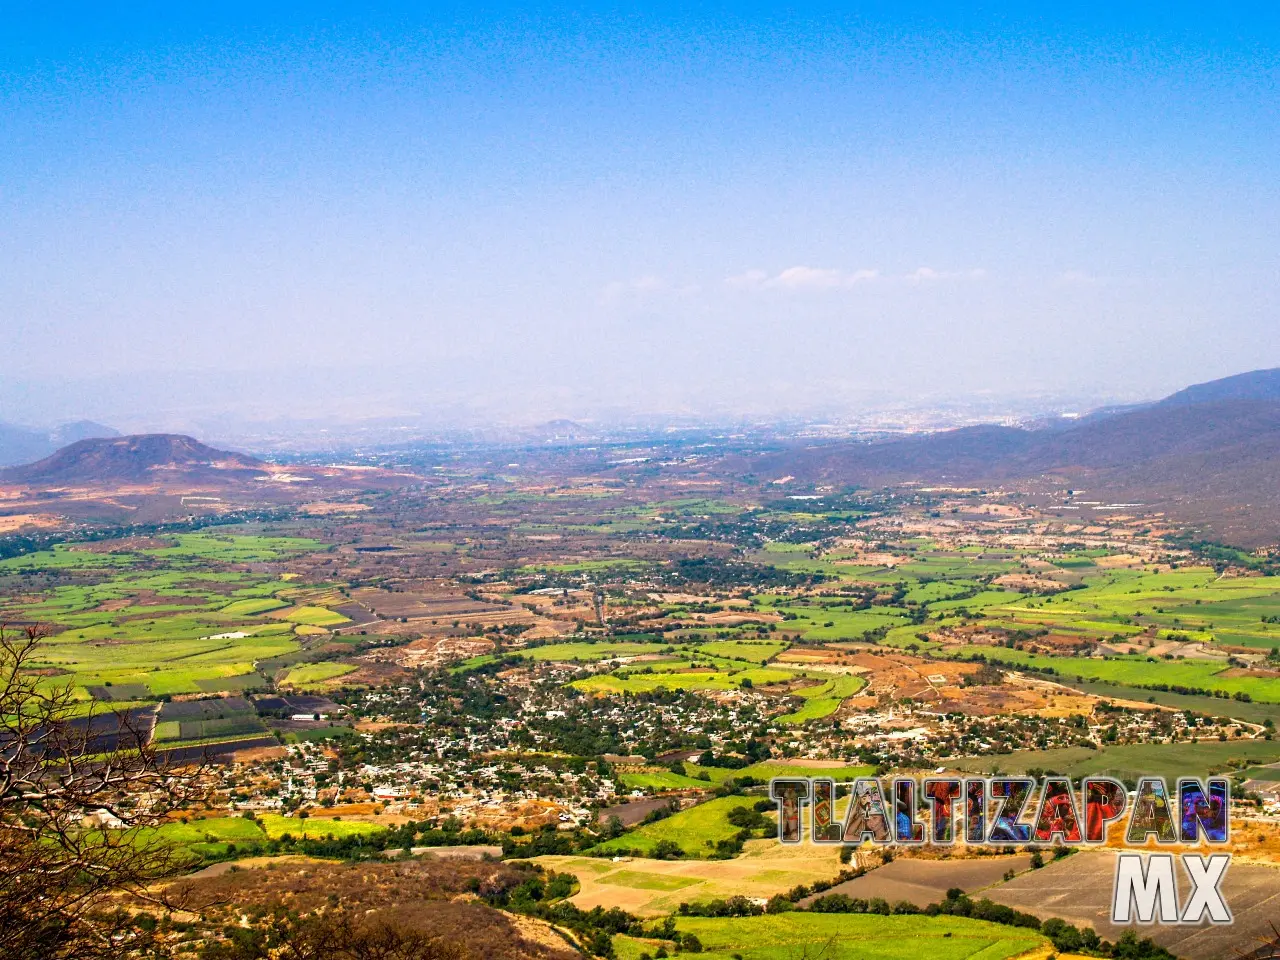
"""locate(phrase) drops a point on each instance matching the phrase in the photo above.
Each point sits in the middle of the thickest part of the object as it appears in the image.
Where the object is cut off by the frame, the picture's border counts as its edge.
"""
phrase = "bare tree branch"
(81, 791)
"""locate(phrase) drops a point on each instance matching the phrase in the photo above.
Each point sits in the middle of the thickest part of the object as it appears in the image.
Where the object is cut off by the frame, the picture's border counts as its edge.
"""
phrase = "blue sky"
(521, 213)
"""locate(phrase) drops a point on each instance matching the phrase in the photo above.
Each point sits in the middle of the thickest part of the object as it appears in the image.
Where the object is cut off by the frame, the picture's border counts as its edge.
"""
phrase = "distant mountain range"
(25, 444)
(1255, 385)
(1208, 455)
(145, 458)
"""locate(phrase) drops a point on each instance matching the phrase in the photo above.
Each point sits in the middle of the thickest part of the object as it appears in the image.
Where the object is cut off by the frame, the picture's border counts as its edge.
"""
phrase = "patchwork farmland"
(589, 684)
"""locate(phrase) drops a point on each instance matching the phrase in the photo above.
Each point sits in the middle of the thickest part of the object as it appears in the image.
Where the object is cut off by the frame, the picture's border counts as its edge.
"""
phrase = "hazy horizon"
(247, 397)
(507, 218)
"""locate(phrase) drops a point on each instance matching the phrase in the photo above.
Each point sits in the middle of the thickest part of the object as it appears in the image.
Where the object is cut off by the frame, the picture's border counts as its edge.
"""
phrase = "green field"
(695, 830)
(648, 682)
(203, 839)
(839, 623)
(194, 614)
(1129, 761)
(757, 651)
(766, 770)
(1209, 706)
(769, 769)
(688, 665)
(159, 664)
(312, 616)
(1192, 601)
(638, 880)
(586, 566)
(978, 603)
(315, 828)
(184, 549)
(475, 663)
(664, 780)
(1136, 670)
(605, 650)
(249, 608)
(316, 674)
(214, 828)
(813, 709)
(846, 937)
(821, 700)
(936, 590)
(333, 731)
(824, 699)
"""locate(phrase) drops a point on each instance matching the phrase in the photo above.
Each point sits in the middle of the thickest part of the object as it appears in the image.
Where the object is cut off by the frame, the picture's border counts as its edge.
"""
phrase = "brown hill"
(356, 906)
(1214, 465)
(145, 458)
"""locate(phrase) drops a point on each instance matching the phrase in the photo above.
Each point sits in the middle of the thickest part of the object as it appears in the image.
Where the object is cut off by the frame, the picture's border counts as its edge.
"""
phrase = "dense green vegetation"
(846, 937)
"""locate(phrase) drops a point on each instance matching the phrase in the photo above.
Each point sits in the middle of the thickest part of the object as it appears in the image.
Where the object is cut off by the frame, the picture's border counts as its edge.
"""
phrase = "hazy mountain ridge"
(1208, 455)
(20, 444)
(1254, 385)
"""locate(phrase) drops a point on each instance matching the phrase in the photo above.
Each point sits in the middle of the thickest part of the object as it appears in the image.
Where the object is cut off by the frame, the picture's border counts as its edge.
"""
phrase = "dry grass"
(433, 896)
(19, 521)
(764, 869)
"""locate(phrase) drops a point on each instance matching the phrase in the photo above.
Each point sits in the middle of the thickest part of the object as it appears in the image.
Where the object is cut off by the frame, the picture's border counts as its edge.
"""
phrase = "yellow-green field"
(695, 830)
(311, 616)
(316, 675)
(847, 937)
(191, 613)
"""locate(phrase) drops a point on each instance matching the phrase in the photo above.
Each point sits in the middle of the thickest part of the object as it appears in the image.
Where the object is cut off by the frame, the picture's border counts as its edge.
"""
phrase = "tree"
(71, 781)
(667, 850)
(602, 945)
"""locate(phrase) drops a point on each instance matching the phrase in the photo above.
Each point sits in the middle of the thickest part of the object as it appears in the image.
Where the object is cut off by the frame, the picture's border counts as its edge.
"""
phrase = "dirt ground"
(923, 882)
(633, 812)
(436, 651)
(1078, 889)
(1251, 841)
(19, 521)
(654, 887)
(327, 508)
(249, 863)
(258, 755)
(937, 683)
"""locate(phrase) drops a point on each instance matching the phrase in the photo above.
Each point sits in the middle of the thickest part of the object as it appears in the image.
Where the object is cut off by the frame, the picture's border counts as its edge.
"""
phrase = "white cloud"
(823, 278)
(801, 278)
(796, 277)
